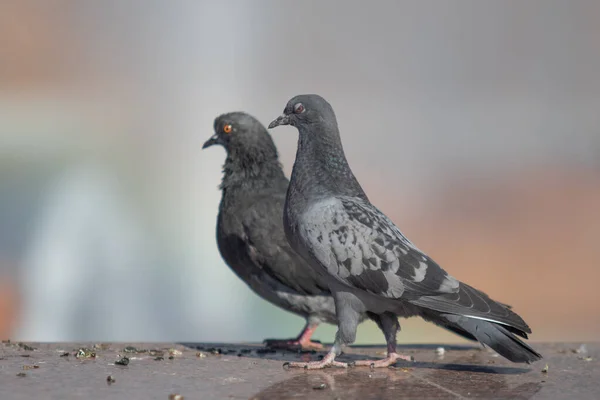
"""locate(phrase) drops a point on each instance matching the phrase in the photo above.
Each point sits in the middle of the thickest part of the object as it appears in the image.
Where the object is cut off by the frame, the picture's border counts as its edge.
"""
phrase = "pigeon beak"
(281, 120)
(214, 139)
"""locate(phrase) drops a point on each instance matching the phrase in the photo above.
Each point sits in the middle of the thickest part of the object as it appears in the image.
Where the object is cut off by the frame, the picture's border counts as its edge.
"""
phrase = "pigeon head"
(243, 137)
(321, 165)
(304, 110)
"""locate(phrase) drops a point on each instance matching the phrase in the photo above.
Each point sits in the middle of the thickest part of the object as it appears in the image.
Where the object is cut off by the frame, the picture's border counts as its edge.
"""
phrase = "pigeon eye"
(298, 108)
(227, 128)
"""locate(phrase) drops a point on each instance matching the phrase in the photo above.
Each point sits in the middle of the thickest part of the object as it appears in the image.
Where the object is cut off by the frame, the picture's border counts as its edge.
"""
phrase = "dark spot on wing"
(379, 253)
(341, 233)
(434, 276)
(370, 280)
(385, 266)
(369, 261)
(347, 263)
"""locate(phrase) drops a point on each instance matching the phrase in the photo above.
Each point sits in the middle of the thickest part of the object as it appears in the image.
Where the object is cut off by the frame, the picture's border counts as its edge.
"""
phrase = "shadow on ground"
(392, 384)
(469, 371)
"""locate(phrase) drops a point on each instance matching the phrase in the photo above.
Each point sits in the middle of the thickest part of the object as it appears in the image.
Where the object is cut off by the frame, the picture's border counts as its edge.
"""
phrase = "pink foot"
(293, 344)
(327, 361)
(386, 362)
(302, 342)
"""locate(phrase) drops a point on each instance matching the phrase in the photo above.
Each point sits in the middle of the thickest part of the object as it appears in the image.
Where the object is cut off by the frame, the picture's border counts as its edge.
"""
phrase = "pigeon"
(250, 233)
(369, 265)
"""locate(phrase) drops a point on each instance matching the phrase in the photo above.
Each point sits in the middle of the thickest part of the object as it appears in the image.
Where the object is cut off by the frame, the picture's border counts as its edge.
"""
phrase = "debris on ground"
(545, 369)
(131, 349)
(175, 352)
(25, 347)
(580, 350)
(322, 386)
(175, 397)
(21, 374)
(440, 351)
(110, 379)
(28, 367)
(123, 361)
(159, 358)
(200, 354)
(65, 354)
(85, 353)
(586, 358)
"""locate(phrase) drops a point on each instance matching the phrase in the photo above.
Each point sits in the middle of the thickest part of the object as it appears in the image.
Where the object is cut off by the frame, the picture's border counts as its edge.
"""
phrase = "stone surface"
(227, 371)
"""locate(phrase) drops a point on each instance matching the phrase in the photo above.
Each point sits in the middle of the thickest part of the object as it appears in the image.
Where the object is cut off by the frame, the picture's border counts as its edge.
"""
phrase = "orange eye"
(227, 128)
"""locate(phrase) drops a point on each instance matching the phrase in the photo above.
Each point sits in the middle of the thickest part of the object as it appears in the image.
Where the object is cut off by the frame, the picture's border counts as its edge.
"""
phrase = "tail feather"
(493, 335)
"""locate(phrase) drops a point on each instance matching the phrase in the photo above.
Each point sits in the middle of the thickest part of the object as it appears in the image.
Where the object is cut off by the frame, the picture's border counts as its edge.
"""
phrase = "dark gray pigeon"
(250, 231)
(369, 265)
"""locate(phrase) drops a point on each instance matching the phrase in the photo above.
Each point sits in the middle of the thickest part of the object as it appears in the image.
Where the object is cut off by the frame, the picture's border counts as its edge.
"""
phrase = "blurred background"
(474, 125)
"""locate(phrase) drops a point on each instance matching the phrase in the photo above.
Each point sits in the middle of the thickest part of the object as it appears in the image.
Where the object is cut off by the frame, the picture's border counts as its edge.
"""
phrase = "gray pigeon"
(250, 231)
(368, 264)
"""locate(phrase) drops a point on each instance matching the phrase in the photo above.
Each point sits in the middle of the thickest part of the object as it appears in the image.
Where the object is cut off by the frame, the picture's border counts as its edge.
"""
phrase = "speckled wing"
(362, 248)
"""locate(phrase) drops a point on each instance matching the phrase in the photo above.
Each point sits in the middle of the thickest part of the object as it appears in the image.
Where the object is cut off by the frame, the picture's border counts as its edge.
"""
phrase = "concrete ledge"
(242, 371)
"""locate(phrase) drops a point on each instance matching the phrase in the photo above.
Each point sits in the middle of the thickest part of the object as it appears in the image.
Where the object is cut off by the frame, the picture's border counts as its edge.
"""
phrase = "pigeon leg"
(303, 340)
(327, 361)
(348, 319)
(389, 324)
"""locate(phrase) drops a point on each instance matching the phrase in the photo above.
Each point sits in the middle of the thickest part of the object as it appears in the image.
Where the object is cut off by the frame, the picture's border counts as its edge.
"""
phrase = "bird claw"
(326, 362)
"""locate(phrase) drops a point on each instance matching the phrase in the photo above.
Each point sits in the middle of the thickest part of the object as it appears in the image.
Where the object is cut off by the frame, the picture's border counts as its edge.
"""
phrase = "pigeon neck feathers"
(252, 167)
(321, 168)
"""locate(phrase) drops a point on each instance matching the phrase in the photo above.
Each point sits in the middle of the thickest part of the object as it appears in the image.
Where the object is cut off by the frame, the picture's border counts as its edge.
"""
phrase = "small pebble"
(123, 361)
(21, 374)
(322, 386)
(545, 369)
(110, 379)
(175, 397)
